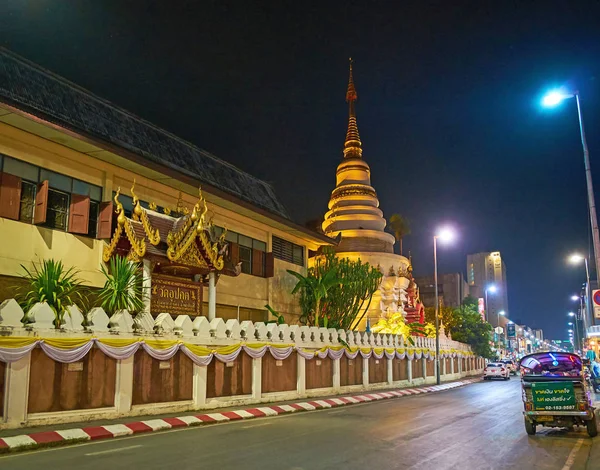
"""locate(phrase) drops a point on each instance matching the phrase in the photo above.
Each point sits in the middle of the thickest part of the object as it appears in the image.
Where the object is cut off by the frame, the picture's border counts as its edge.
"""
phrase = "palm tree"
(400, 227)
(317, 287)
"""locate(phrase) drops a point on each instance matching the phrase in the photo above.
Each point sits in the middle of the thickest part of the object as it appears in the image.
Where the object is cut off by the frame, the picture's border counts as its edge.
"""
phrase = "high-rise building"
(452, 289)
(483, 271)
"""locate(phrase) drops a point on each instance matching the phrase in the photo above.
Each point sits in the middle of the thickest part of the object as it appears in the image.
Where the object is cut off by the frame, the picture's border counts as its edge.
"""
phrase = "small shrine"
(180, 252)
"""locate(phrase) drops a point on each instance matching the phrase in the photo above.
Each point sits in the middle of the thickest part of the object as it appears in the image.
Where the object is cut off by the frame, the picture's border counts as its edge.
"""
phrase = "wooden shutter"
(10, 196)
(234, 253)
(269, 265)
(257, 263)
(79, 214)
(105, 214)
(41, 203)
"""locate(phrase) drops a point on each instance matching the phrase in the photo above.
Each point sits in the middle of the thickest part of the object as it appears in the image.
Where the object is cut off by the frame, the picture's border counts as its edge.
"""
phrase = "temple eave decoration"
(182, 242)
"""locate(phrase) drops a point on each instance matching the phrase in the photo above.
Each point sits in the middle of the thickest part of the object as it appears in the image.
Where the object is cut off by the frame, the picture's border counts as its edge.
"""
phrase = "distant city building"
(539, 334)
(483, 271)
(452, 289)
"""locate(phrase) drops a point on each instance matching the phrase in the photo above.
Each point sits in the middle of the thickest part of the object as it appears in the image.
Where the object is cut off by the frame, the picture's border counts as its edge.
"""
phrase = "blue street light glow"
(554, 98)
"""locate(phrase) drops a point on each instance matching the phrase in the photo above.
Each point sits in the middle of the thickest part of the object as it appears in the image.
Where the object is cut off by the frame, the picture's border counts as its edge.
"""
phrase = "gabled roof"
(29, 87)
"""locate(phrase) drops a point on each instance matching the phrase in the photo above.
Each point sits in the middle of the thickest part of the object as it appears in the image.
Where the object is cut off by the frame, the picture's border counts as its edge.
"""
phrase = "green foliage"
(54, 285)
(123, 288)
(471, 329)
(448, 317)
(469, 300)
(279, 319)
(336, 291)
(400, 227)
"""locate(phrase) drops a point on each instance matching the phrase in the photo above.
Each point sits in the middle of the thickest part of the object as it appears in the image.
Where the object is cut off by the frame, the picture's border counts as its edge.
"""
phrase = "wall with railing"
(121, 366)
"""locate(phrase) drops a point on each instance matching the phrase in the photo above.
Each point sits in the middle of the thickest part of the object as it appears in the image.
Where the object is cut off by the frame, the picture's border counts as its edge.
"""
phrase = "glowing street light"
(553, 98)
(444, 234)
(574, 298)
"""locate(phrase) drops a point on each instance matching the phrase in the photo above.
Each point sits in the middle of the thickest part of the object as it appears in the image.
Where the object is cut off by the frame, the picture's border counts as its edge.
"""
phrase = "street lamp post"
(501, 312)
(553, 99)
(444, 235)
(490, 288)
(576, 259)
(573, 314)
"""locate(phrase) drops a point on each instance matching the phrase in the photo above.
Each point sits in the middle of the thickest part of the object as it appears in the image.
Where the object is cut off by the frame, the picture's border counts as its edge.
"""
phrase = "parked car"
(496, 370)
(512, 367)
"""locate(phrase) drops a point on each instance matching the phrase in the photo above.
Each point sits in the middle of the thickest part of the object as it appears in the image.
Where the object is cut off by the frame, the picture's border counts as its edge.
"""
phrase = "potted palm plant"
(52, 284)
(123, 287)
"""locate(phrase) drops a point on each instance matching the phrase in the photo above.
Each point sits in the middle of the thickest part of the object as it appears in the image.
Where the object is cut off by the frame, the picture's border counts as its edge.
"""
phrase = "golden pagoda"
(354, 217)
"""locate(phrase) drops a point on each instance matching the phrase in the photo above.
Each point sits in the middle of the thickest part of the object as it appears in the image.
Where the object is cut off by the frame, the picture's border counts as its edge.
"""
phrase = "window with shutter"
(41, 203)
(79, 214)
(269, 265)
(10, 196)
(234, 253)
(258, 263)
(105, 220)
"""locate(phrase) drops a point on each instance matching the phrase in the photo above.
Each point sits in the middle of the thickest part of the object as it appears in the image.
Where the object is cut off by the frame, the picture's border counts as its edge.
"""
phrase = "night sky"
(448, 109)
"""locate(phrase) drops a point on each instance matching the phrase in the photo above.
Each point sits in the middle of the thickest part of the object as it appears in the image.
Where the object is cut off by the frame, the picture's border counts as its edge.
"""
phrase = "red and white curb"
(66, 436)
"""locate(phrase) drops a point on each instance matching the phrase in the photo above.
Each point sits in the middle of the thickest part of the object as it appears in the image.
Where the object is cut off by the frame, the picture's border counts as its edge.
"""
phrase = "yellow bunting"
(161, 343)
(17, 342)
(119, 342)
(66, 343)
(202, 351)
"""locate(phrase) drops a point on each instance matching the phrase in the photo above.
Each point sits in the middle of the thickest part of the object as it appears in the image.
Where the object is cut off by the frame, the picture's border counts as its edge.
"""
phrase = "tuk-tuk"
(555, 393)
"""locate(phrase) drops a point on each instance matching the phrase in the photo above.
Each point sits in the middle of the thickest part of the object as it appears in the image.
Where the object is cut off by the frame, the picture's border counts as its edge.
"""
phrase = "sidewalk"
(63, 434)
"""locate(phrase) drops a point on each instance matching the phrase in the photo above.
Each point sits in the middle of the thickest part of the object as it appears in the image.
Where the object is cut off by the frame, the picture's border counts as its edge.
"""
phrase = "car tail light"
(502, 370)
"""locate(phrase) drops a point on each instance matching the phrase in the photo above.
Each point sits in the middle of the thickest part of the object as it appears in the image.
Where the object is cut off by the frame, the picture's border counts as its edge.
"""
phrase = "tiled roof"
(35, 90)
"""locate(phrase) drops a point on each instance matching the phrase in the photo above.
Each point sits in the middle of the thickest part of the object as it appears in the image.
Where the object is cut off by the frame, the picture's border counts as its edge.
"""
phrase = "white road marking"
(571, 458)
(112, 450)
(257, 425)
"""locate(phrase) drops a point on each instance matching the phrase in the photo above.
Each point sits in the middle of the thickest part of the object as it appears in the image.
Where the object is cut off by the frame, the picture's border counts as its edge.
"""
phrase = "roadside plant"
(396, 325)
(314, 290)
(123, 287)
(51, 283)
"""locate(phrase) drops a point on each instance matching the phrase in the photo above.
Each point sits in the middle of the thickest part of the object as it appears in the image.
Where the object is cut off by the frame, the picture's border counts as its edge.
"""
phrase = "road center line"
(257, 425)
(571, 458)
(113, 450)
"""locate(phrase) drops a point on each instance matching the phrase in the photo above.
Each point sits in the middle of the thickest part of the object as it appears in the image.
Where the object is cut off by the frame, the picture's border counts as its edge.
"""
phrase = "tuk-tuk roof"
(551, 363)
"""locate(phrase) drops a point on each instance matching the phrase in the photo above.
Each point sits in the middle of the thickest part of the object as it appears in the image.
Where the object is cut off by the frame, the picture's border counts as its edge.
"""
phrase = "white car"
(496, 369)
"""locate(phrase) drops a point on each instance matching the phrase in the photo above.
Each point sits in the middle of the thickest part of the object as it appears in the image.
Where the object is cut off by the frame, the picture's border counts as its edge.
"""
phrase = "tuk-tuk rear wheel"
(592, 426)
(529, 427)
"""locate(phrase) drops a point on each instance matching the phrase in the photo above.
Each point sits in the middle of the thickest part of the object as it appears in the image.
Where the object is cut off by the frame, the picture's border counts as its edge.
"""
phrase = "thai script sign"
(553, 396)
(175, 295)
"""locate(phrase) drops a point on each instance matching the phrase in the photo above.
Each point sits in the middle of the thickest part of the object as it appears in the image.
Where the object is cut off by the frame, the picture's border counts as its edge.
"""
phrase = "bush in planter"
(54, 285)
(123, 288)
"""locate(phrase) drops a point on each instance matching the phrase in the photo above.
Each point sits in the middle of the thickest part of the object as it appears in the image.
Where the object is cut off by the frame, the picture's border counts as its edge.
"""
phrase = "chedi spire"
(353, 145)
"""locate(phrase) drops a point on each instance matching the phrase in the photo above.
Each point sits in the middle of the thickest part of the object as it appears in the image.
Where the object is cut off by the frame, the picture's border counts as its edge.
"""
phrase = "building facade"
(452, 289)
(70, 161)
(483, 271)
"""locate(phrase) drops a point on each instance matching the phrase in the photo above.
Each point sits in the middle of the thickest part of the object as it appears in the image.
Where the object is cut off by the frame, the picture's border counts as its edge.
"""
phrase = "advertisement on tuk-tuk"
(553, 396)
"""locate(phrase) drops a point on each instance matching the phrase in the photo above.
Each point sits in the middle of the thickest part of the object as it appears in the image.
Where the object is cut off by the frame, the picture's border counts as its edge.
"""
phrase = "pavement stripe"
(351, 399)
(189, 420)
(287, 408)
(175, 422)
(97, 432)
(3, 445)
(45, 437)
(256, 413)
(305, 406)
(139, 426)
(337, 401)
(244, 414)
(69, 434)
(212, 417)
(297, 407)
(331, 403)
(118, 430)
(18, 441)
(321, 403)
(268, 411)
(157, 424)
(232, 415)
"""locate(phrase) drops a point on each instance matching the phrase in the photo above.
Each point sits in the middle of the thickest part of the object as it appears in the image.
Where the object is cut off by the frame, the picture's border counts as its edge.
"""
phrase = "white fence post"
(257, 378)
(124, 389)
(17, 390)
(301, 379)
(199, 386)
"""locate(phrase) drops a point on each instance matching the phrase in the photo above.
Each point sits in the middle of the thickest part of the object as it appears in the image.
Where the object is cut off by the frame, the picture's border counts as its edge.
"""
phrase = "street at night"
(479, 426)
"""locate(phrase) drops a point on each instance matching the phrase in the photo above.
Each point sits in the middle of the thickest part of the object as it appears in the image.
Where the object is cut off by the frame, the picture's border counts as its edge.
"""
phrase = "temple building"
(354, 216)
(82, 180)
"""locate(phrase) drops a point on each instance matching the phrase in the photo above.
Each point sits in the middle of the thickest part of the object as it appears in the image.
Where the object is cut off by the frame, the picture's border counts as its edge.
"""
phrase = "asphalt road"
(479, 426)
